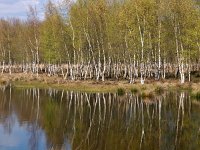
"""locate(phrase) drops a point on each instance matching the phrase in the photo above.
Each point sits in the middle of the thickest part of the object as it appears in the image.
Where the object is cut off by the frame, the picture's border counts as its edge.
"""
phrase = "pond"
(39, 119)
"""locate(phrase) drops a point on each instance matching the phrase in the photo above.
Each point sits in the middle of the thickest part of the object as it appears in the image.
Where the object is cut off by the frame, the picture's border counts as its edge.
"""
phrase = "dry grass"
(43, 81)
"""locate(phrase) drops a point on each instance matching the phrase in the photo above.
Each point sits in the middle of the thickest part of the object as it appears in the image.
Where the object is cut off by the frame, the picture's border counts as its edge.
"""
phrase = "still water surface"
(35, 119)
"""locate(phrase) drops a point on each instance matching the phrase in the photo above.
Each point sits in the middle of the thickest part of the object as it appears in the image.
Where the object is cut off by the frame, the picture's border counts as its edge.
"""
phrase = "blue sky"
(18, 8)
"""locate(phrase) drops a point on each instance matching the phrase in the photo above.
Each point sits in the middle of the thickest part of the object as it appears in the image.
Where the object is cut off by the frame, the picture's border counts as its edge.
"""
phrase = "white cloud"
(17, 8)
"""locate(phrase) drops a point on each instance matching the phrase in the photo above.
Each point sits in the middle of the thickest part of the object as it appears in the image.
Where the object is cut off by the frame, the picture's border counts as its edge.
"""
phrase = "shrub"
(147, 95)
(134, 90)
(195, 80)
(120, 91)
(143, 95)
(197, 95)
(159, 90)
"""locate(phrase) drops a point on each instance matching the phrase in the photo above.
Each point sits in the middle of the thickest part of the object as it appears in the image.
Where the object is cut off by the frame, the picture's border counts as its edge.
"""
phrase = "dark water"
(33, 119)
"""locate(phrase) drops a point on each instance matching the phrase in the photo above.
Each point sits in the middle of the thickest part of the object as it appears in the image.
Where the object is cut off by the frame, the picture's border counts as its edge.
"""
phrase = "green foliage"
(51, 35)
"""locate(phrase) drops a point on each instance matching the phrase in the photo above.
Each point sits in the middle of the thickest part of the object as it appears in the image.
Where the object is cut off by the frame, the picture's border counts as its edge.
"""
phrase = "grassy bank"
(150, 87)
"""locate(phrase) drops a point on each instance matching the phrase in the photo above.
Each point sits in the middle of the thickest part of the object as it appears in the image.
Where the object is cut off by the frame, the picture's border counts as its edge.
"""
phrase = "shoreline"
(21, 80)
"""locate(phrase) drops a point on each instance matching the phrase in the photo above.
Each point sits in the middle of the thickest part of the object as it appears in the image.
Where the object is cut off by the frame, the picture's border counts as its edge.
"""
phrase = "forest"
(133, 40)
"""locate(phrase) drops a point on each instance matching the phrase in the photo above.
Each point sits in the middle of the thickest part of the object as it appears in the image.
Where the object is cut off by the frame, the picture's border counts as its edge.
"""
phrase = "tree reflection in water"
(75, 120)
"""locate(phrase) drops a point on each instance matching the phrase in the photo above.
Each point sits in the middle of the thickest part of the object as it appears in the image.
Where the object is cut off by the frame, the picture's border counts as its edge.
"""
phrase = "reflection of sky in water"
(19, 137)
(67, 145)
